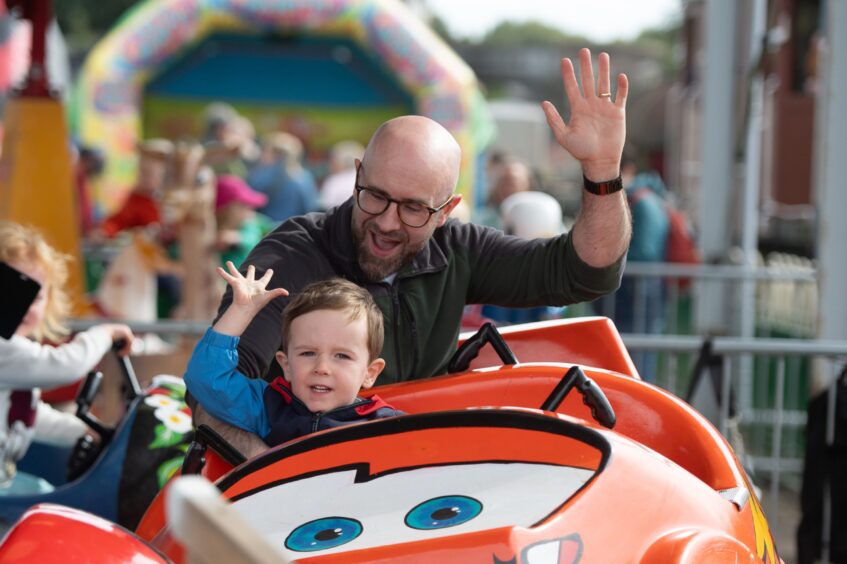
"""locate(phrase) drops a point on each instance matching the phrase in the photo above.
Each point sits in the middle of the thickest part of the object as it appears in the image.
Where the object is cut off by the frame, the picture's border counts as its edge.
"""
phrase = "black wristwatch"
(603, 188)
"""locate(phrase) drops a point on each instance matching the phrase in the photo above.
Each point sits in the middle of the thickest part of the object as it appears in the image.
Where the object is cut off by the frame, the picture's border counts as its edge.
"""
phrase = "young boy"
(331, 341)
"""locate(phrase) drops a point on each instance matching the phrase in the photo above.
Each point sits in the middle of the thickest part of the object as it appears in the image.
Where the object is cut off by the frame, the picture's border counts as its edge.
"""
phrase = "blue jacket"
(269, 410)
(288, 194)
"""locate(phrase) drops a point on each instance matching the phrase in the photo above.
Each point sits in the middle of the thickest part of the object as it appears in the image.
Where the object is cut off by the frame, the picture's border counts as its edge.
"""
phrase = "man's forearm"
(603, 229)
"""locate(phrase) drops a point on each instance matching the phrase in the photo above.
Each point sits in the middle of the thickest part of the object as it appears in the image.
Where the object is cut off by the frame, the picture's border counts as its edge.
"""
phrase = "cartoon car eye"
(345, 509)
(322, 534)
(442, 512)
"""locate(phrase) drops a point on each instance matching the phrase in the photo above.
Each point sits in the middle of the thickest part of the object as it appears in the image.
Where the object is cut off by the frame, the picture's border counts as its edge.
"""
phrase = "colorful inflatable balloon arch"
(326, 70)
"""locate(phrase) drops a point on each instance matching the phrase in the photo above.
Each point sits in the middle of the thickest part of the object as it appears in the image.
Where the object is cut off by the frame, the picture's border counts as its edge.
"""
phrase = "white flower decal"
(175, 421)
(161, 401)
(167, 380)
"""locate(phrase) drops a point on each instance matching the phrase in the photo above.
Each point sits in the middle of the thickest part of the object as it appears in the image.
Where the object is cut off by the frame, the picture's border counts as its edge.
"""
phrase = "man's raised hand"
(597, 129)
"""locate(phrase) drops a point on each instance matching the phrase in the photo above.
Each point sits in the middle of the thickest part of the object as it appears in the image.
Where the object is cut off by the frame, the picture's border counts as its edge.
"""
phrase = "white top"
(337, 188)
(531, 215)
(25, 364)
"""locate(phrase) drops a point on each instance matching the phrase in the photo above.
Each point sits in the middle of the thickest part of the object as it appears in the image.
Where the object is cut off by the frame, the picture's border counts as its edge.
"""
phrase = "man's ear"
(374, 368)
(282, 359)
(445, 212)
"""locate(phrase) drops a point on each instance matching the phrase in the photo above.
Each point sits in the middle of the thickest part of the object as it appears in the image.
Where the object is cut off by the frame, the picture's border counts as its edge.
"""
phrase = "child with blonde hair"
(26, 364)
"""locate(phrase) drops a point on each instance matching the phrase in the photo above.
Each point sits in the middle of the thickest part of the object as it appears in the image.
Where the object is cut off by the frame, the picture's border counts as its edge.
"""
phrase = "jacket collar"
(359, 408)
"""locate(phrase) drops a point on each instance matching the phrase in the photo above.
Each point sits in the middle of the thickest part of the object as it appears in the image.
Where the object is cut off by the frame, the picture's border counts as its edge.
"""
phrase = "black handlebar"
(592, 396)
(90, 386)
(131, 387)
(86, 451)
(469, 350)
(84, 399)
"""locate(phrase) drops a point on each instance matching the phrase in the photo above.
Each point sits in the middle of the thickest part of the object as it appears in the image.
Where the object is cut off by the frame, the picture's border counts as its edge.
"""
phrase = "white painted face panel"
(408, 505)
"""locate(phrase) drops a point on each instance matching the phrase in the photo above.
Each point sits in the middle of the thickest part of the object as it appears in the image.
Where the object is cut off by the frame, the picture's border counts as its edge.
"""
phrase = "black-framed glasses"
(375, 202)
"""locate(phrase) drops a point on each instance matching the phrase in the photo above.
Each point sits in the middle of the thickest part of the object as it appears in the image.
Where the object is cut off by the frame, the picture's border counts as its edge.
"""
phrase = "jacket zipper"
(316, 418)
(395, 301)
(413, 336)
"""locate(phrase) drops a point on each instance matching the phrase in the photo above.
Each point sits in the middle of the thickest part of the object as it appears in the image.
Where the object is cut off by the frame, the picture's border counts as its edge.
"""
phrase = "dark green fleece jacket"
(462, 264)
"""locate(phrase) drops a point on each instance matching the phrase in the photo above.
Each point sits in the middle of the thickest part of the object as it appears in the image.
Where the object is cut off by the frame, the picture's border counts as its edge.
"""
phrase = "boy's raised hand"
(247, 292)
(249, 296)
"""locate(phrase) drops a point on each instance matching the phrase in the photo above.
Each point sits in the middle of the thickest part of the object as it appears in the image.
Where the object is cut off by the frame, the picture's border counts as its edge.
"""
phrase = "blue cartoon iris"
(323, 534)
(442, 512)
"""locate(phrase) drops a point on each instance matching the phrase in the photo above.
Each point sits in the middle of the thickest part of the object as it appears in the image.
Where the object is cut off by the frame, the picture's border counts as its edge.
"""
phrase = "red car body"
(477, 473)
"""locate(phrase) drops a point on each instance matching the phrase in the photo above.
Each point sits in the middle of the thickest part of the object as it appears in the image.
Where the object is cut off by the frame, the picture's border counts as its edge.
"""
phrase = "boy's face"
(326, 360)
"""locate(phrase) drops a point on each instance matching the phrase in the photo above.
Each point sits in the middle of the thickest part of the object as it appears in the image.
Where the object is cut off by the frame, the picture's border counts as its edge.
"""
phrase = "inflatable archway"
(330, 69)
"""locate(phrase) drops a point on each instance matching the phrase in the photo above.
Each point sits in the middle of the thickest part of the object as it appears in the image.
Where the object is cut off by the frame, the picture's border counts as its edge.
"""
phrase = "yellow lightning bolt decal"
(765, 548)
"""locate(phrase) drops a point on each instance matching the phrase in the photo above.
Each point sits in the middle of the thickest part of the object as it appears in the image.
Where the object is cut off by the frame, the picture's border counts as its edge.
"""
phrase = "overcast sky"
(598, 20)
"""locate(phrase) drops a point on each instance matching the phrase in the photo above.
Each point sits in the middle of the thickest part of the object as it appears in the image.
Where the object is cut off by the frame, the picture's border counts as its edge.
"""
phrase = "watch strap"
(603, 188)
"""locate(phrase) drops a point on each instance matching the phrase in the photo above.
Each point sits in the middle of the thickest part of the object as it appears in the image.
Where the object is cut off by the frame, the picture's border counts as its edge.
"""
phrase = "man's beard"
(376, 268)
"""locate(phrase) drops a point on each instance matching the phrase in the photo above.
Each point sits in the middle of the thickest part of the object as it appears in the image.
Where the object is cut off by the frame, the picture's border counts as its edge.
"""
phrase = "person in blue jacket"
(331, 341)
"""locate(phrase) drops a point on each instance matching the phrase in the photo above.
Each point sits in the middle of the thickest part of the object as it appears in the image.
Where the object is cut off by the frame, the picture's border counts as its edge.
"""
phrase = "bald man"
(393, 237)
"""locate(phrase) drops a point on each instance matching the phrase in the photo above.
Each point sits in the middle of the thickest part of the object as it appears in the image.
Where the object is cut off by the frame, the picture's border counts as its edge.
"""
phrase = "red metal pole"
(39, 13)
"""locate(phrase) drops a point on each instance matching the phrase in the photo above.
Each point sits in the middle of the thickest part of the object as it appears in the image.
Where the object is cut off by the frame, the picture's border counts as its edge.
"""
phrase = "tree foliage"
(528, 33)
(83, 22)
(440, 27)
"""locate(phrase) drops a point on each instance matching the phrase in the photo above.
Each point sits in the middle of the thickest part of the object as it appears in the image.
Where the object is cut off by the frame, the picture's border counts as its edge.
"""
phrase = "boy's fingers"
(231, 267)
(251, 273)
(266, 277)
(223, 274)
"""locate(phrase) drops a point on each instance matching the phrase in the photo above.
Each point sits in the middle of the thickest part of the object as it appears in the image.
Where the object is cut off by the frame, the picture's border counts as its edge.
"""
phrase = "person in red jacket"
(141, 208)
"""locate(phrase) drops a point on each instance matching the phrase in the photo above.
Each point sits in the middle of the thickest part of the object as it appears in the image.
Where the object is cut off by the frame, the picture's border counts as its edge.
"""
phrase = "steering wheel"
(86, 450)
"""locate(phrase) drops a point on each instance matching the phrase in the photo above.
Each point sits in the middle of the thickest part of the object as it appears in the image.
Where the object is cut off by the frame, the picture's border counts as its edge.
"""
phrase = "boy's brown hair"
(339, 295)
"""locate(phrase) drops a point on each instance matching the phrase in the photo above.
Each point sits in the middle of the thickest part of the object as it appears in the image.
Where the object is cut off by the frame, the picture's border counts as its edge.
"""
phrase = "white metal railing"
(785, 296)
(777, 370)
(162, 326)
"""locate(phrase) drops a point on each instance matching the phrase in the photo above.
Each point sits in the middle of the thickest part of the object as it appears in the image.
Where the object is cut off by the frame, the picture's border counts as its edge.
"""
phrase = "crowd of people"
(256, 183)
